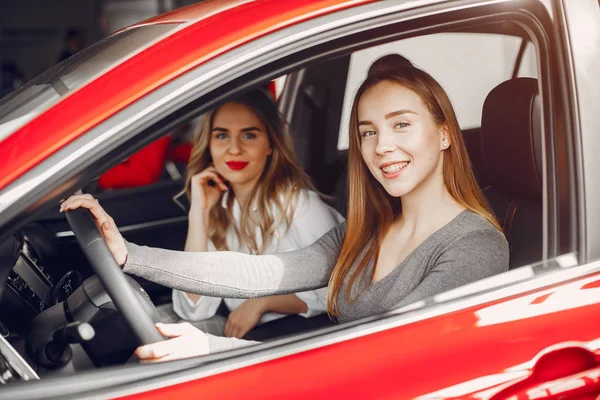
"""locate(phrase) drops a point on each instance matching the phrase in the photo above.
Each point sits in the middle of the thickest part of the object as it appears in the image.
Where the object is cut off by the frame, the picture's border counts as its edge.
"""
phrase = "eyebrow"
(399, 112)
(388, 116)
(249, 129)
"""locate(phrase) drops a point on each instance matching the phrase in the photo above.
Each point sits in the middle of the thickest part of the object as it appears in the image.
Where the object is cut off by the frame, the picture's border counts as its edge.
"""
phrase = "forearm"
(283, 304)
(237, 275)
(197, 236)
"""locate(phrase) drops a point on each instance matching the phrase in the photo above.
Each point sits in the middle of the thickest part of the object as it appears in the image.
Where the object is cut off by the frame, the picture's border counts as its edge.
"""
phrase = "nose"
(235, 147)
(385, 142)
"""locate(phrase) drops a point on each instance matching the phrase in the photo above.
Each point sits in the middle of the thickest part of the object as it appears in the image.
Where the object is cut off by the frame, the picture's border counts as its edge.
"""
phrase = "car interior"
(48, 269)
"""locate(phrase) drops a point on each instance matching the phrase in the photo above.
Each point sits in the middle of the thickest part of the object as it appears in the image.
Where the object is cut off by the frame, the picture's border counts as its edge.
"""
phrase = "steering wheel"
(111, 276)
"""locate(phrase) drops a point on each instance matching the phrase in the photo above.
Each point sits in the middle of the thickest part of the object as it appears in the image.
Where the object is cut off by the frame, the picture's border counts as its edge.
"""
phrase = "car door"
(414, 351)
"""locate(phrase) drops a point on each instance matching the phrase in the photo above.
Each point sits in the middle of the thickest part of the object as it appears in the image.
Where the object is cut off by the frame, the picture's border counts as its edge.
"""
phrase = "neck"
(429, 203)
(242, 192)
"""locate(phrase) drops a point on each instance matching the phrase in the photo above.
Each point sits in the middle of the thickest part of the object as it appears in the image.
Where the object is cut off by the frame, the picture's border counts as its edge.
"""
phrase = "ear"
(445, 141)
(270, 151)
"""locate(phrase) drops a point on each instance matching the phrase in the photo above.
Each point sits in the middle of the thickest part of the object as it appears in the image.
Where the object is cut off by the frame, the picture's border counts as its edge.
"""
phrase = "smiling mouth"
(236, 165)
(392, 168)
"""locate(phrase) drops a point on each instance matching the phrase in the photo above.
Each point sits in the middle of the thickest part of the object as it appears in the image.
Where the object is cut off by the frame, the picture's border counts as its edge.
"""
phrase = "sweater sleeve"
(477, 255)
(312, 219)
(238, 275)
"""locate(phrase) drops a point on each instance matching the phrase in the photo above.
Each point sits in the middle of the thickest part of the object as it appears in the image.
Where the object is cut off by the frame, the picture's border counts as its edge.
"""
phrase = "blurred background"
(36, 34)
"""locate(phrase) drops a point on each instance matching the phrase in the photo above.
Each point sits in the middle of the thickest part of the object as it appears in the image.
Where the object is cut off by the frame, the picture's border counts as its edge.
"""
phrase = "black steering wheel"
(111, 276)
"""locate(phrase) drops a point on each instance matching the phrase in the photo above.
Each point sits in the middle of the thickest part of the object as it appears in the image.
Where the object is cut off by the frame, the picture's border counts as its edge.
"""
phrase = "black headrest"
(511, 139)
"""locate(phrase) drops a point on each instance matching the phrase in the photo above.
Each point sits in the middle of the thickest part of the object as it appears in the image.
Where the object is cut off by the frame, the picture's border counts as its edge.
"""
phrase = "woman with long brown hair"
(418, 223)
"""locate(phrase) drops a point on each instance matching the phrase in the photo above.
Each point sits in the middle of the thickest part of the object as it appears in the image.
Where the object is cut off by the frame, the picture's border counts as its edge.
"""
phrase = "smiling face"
(399, 141)
(239, 145)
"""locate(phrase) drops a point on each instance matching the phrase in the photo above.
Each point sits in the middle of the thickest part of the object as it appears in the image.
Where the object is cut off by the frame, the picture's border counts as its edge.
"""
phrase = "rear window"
(467, 65)
(40, 93)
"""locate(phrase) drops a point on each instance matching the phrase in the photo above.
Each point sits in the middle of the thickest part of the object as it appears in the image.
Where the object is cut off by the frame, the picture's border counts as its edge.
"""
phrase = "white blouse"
(312, 219)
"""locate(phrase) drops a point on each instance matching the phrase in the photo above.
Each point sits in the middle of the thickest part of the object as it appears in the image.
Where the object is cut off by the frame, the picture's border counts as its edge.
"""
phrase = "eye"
(367, 133)
(249, 135)
(401, 125)
(221, 136)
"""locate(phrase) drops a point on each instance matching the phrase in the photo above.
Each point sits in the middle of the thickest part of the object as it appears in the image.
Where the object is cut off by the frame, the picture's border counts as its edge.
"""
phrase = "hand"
(104, 222)
(204, 196)
(244, 318)
(188, 342)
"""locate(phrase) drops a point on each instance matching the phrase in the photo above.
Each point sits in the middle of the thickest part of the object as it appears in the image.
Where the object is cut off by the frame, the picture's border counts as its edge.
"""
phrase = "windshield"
(47, 89)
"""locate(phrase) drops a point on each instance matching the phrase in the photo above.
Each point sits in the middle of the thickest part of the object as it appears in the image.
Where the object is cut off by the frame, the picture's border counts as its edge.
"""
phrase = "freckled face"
(400, 143)
(239, 144)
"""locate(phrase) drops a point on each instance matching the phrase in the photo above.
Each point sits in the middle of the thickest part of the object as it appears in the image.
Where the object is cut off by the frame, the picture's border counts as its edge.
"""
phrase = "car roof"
(207, 32)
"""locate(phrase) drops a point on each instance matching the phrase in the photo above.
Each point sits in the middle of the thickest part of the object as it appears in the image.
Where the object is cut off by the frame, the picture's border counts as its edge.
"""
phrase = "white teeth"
(394, 167)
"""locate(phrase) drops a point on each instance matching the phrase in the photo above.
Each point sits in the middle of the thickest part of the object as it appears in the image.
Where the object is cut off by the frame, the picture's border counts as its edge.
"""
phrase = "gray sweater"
(465, 250)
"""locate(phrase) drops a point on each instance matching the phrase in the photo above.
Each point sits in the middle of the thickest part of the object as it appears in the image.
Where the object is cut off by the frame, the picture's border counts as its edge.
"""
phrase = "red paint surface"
(419, 358)
(153, 67)
(142, 168)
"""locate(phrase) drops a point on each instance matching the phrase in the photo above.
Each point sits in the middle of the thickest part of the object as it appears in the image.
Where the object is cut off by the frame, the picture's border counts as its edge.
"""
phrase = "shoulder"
(473, 239)
(468, 225)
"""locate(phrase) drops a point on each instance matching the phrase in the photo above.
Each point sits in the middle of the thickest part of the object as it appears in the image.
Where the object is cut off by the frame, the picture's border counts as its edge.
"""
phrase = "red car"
(523, 76)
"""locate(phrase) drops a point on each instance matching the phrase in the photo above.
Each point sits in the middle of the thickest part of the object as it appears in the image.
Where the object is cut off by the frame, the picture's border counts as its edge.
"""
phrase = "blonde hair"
(282, 179)
(371, 209)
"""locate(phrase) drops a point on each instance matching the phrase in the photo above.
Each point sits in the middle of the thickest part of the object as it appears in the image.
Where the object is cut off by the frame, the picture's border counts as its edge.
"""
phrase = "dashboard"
(45, 305)
(37, 278)
(29, 279)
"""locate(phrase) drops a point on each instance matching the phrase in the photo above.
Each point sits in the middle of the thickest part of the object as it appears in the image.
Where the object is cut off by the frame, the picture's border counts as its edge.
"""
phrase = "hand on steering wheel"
(186, 341)
(104, 222)
(106, 258)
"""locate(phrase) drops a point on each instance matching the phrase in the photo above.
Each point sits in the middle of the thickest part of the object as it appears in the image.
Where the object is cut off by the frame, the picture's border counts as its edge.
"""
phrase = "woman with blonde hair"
(417, 225)
(248, 194)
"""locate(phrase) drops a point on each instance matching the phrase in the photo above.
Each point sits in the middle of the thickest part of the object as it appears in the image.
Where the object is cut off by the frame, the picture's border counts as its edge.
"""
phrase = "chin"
(397, 190)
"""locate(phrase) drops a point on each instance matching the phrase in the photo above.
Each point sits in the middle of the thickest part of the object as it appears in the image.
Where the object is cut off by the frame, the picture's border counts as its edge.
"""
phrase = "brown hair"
(371, 209)
(281, 181)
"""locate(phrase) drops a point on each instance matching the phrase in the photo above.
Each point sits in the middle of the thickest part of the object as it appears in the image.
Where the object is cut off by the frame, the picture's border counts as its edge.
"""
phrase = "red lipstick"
(236, 165)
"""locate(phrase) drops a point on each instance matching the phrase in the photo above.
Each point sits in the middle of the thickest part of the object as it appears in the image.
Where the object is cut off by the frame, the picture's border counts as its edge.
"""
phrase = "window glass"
(467, 65)
(47, 89)
(528, 67)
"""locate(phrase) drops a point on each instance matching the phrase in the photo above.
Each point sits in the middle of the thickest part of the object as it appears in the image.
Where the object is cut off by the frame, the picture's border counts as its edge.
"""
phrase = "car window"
(528, 66)
(467, 65)
(47, 89)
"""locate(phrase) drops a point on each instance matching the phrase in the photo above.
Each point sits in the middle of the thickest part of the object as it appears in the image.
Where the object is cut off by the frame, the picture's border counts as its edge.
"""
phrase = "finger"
(177, 346)
(78, 200)
(210, 174)
(234, 330)
(70, 199)
(206, 176)
(228, 328)
(174, 330)
(91, 204)
(242, 332)
(158, 350)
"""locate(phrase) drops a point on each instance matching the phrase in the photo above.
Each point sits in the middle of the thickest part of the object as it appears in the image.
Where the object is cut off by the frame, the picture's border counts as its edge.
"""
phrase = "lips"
(393, 169)
(236, 165)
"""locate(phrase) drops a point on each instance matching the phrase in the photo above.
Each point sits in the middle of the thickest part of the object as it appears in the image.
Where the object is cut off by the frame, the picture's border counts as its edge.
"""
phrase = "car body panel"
(151, 68)
(470, 353)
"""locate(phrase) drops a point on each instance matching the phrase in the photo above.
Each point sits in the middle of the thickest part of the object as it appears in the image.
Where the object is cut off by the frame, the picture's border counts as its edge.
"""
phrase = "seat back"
(511, 140)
